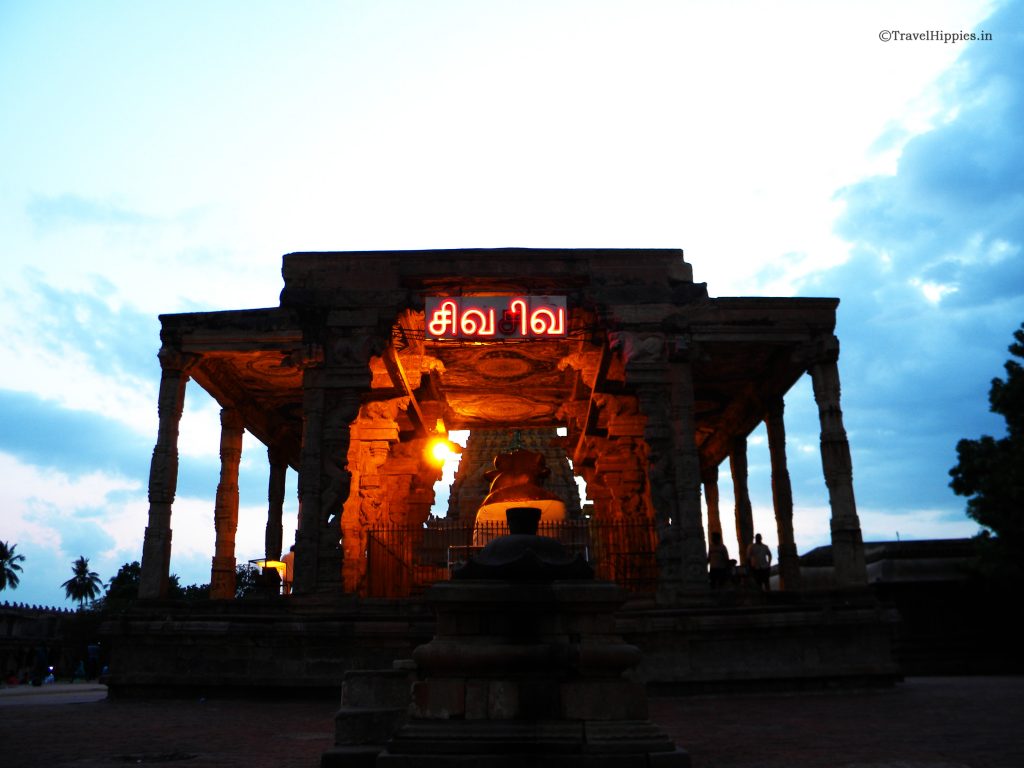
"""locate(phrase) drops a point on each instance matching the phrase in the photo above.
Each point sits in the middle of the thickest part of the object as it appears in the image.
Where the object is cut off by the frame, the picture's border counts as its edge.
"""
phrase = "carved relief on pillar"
(421, 498)
(353, 347)
(367, 502)
(352, 539)
(324, 480)
(638, 349)
(619, 415)
(340, 408)
(378, 420)
(415, 363)
(573, 414)
(621, 467)
(623, 534)
(666, 398)
(586, 360)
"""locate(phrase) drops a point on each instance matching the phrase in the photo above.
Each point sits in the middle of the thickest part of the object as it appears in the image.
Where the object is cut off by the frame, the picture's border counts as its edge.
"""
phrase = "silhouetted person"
(759, 561)
(39, 666)
(718, 561)
(289, 570)
(92, 661)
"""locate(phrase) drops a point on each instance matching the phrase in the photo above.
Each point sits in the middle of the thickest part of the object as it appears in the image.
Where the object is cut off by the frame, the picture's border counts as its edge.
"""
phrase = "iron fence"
(404, 560)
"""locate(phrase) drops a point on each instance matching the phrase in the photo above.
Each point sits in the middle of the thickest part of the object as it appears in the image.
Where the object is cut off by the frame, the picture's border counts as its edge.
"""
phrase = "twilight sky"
(161, 157)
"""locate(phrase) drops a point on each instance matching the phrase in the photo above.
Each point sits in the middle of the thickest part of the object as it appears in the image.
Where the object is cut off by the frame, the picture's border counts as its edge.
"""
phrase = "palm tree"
(84, 585)
(9, 566)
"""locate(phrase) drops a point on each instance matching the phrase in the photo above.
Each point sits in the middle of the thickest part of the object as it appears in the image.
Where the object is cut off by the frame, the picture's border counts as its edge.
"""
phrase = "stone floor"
(976, 722)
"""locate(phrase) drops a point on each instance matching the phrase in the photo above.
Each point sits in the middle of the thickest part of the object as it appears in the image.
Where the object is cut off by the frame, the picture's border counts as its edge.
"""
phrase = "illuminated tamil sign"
(495, 317)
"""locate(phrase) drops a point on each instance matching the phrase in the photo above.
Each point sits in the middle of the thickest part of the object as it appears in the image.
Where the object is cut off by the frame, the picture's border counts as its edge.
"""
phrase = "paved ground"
(922, 723)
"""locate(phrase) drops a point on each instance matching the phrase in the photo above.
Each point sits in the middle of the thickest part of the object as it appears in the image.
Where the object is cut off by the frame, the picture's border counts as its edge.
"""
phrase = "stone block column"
(684, 440)
(163, 475)
(307, 534)
(274, 537)
(847, 543)
(225, 514)
(709, 478)
(744, 512)
(782, 497)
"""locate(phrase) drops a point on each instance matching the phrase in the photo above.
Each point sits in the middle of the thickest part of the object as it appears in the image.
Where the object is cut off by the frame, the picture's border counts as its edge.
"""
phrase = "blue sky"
(161, 157)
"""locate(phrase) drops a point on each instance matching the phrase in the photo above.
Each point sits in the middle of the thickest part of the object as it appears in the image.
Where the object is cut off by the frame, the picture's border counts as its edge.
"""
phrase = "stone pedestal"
(527, 673)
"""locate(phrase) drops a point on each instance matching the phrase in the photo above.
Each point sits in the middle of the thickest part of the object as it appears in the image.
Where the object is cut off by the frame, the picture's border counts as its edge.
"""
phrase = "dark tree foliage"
(247, 580)
(9, 566)
(194, 593)
(83, 584)
(123, 588)
(990, 471)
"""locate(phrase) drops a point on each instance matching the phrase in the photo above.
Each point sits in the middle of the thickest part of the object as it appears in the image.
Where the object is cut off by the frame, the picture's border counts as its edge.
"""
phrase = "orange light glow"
(442, 449)
(439, 450)
(277, 565)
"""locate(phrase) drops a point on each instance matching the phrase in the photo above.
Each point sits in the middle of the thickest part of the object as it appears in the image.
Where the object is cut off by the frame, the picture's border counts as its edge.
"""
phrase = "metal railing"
(404, 560)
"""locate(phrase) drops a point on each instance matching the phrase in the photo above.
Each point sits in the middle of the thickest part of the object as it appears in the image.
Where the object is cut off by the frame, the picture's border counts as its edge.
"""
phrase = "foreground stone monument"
(525, 669)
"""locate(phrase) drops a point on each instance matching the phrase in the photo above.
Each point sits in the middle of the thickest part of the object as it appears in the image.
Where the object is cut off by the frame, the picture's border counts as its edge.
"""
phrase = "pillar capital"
(821, 349)
(172, 360)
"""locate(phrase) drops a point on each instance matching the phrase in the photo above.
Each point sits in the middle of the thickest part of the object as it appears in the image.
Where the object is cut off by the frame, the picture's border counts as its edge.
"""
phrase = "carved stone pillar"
(335, 375)
(340, 409)
(847, 543)
(308, 532)
(710, 480)
(665, 496)
(225, 514)
(324, 483)
(663, 380)
(782, 497)
(684, 441)
(375, 501)
(744, 512)
(273, 540)
(163, 475)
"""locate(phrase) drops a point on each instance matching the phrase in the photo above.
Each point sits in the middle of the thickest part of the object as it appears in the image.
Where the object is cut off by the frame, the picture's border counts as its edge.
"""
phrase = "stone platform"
(299, 644)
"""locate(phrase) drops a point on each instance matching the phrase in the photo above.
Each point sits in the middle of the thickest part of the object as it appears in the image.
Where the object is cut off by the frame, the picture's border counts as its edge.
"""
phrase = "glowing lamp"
(441, 449)
(277, 565)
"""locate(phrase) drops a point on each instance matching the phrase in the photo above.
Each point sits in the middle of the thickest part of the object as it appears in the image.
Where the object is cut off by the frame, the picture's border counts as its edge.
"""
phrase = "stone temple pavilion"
(370, 355)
